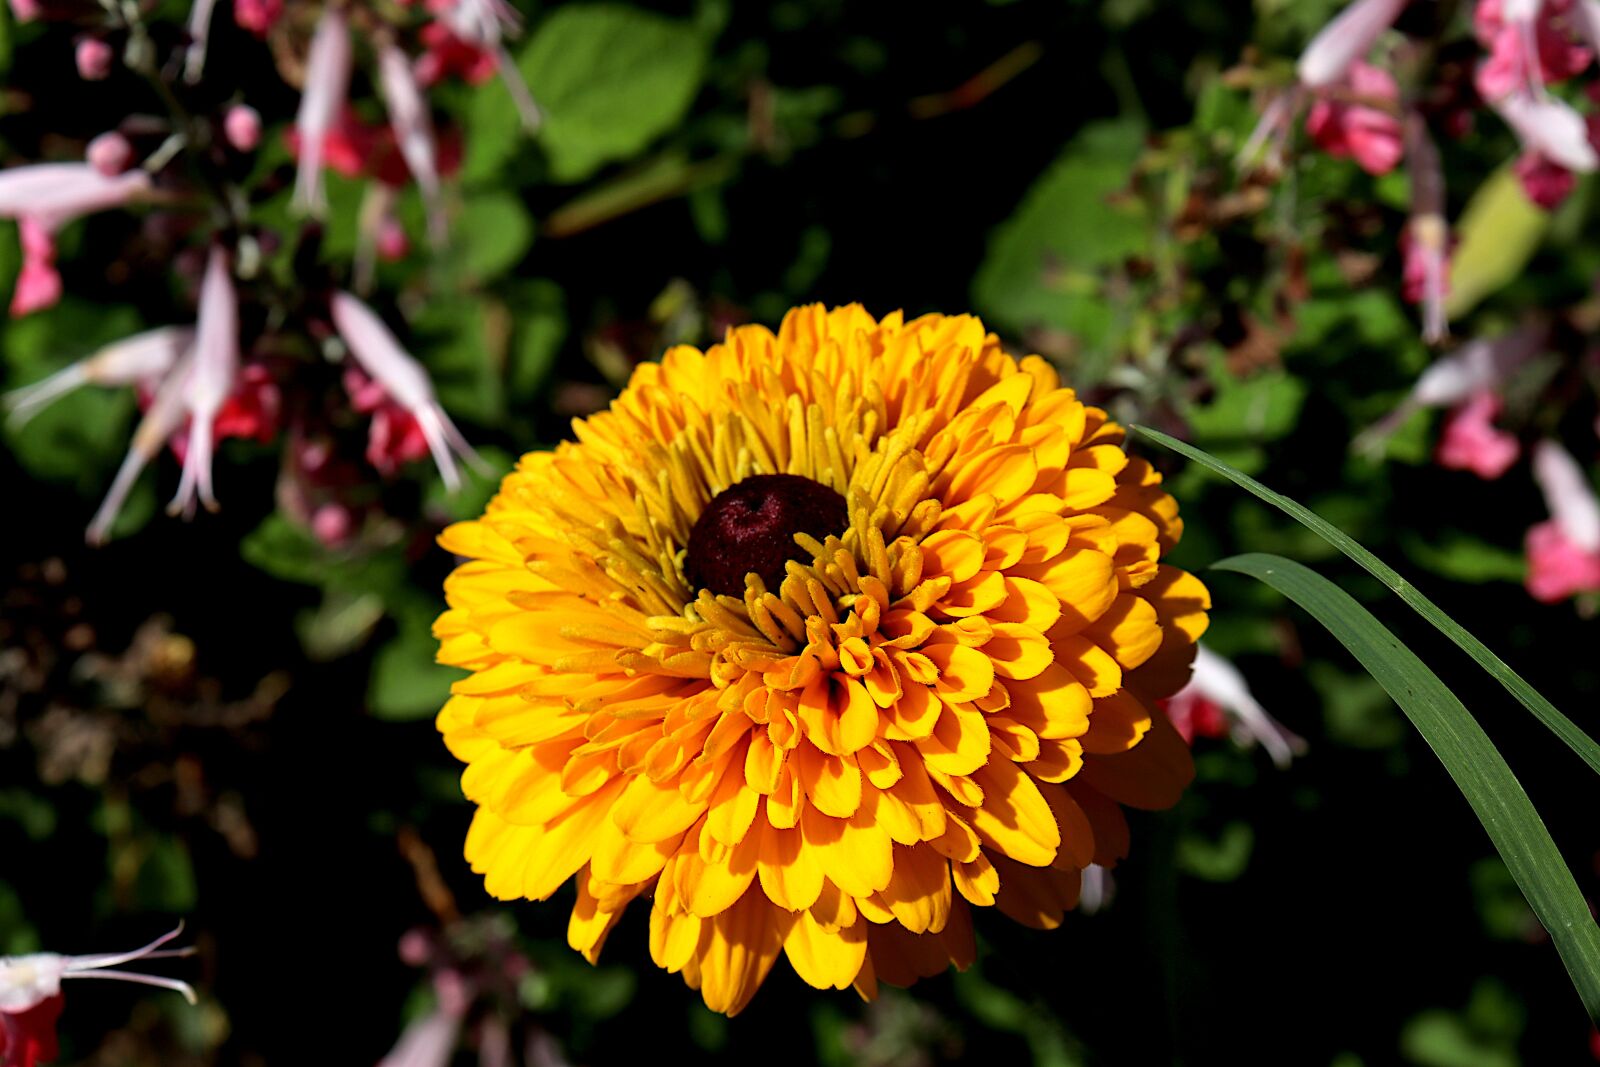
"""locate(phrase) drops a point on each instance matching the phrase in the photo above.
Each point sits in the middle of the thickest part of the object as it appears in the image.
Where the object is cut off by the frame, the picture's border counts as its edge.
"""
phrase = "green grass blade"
(1585, 746)
(1467, 753)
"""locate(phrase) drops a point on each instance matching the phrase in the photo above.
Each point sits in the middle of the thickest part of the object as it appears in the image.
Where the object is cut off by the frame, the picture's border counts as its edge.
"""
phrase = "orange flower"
(818, 640)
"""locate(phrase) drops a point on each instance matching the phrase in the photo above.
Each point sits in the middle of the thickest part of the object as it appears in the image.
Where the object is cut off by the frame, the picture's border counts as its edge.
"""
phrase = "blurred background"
(229, 721)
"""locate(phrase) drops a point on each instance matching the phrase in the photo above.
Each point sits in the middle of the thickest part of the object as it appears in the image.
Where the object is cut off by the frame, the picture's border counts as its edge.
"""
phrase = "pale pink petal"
(1568, 494)
(1550, 127)
(199, 37)
(1348, 38)
(413, 131)
(427, 1042)
(326, 84)
(216, 366)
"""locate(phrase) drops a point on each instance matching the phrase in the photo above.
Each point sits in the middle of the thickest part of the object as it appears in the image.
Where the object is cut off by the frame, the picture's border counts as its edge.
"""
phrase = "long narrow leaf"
(1466, 752)
(1581, 743)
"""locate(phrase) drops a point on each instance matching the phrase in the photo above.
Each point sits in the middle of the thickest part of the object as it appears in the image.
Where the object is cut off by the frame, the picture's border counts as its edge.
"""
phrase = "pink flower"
(1563, 552)
(483, 25)
(327, 82)
(394, 438)
(54, 194)
(211, 380)
(1470, 441)
(1215, 684)
(1546, 183)
(110, 153)
(142, 358)
(257, 16)
(1550, 127)
(413, 131)
(93, 57)
(242, 127)
(405, 381)
(31, 1000)
(1369, 135)
(332, 524)
(390, 240)
(1527, 46)
(251, 412)
(1345, 41)
(26, 10)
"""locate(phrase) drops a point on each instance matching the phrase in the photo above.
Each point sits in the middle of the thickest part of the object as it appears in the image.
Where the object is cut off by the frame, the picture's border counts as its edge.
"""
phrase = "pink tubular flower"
(53, 194)
(257, 16)
(1563, 552)
(1345, 129)
(242, 127)
(1546, 183)
(1217, 684)
(1527, 47)
(161, 420)
(211, 380)
(1345, 41)
(327, 82)
(484, 24)
(1471, 442)
(404, 380)
(135, 360)
(445, 55)
(413, 131)
(93, 57)
(31, 1000)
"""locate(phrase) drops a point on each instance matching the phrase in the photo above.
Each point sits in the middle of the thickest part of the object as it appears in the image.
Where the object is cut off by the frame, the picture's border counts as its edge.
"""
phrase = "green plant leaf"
(611, 79)
(1546, 712)
(1499, 230)
(1479, 771)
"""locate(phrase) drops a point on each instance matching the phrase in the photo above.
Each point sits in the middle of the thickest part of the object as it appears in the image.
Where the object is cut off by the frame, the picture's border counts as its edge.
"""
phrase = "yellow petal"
(1014, 817)
(823, 958)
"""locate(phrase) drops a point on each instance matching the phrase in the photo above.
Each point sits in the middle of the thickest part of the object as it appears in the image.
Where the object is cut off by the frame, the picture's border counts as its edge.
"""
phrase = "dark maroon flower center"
(751, 527)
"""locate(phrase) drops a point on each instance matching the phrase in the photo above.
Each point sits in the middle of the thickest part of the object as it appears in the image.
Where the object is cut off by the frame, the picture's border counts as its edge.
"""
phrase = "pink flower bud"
(331, 524)
(242, 127)
(392, 243)
(110, 153)
(94, 59)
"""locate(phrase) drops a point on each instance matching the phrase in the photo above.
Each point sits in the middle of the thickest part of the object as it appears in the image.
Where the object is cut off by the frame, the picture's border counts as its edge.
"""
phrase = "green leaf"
(611, 79)
(540, 312)
(1040, 267)
(406, 681)
(1563, 727)
(286, 550)
(1471, 759)
(492, 233)
(1499, 231)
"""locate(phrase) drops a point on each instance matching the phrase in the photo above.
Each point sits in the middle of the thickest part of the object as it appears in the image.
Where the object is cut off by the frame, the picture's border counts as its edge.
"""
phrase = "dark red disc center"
(751, 527)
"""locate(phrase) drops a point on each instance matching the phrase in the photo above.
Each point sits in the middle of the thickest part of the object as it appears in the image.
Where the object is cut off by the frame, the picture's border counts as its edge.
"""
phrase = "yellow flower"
(817, 640)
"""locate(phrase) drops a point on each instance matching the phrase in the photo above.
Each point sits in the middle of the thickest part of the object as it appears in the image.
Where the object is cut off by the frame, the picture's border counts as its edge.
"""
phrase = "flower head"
(211, 379)
(817, 640)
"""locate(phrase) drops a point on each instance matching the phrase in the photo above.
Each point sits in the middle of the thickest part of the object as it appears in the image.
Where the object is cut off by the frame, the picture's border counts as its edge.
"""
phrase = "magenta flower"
(1345, 41)
(413, 131)
(379, 354)
(1472, 442)
(1546, 183)
(327, 82)
(110, 153)
(1527, 46)
(38, 281)
(211, 379)
(1349, 129)
(485, 24)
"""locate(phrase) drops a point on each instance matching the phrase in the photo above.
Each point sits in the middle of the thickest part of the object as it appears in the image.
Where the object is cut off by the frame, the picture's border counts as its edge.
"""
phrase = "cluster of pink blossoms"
(203, 382)
(1358, 111)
